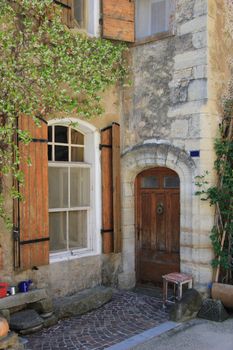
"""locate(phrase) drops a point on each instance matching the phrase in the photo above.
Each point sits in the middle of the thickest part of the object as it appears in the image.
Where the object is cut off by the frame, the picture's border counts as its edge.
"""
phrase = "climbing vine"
(221, 195)
(46, 68)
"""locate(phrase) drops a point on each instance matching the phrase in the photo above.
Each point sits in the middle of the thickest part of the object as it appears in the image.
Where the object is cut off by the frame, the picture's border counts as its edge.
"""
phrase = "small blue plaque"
(195, 154)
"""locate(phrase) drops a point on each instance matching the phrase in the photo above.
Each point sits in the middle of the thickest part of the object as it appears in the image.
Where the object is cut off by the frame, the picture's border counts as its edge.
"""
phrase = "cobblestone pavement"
(126, 315)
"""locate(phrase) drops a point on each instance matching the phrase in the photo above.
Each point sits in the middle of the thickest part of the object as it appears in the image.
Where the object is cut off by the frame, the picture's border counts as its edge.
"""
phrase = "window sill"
(152, 38)
(68, 256)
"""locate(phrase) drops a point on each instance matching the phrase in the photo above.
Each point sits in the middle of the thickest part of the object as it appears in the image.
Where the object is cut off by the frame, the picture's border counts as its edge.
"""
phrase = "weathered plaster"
(167, 104)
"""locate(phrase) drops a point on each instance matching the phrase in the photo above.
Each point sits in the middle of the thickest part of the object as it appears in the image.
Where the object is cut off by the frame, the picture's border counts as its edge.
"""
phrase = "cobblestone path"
(126, 315)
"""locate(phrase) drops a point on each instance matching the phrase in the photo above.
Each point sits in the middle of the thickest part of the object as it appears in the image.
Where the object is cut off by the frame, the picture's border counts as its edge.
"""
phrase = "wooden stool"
(178, 279)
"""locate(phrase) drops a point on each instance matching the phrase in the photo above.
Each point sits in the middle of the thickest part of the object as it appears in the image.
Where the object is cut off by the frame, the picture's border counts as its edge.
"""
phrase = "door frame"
(137, 215)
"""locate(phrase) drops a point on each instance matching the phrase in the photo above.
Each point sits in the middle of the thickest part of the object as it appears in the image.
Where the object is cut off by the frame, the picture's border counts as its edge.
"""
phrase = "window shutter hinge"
(104, 146)
(110, 230)
(16, 234)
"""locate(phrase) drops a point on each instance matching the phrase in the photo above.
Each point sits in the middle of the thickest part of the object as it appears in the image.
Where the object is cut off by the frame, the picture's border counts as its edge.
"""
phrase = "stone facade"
(171, 109)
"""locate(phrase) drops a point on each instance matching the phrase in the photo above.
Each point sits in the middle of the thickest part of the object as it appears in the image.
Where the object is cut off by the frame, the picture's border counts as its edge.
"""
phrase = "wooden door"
(157, 224)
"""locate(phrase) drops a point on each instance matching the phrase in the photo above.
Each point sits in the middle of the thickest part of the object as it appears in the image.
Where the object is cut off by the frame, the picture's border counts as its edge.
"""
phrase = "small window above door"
(171, 182)
(149, 182)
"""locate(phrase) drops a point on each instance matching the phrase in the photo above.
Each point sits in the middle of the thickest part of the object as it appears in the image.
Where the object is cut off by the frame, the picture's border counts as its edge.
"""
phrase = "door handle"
(160, 208)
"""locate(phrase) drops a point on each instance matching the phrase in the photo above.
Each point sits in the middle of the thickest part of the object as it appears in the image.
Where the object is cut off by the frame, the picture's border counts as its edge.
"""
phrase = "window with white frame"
(69, 190)
(153, 17)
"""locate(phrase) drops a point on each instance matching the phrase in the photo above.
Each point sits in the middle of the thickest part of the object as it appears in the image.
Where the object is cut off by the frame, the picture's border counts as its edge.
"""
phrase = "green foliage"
(46, 68)
(221, 196)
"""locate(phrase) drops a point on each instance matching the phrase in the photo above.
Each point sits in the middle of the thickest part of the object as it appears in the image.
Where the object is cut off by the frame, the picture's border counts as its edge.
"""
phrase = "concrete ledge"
(82, 302)
(20, 299)
(145, 336)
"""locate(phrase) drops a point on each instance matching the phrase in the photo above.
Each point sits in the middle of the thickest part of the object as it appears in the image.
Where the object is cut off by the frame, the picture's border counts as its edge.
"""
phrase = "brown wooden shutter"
(111, 193)
(67, 11)
(33, 211)
(119, 20)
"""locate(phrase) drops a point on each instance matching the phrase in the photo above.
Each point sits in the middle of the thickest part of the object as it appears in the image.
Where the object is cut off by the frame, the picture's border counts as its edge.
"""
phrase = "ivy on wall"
(46, 68)
(221, 196)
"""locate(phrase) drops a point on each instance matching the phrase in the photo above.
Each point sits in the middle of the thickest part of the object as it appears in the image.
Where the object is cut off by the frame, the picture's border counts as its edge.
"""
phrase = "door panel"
(159, 232)
(146, 210)
(158, 225)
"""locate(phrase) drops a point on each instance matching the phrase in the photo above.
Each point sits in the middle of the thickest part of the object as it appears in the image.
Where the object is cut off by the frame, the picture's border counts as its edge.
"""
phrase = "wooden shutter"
(111, 192)
(119, 20)
(67, 11)
(33, 210)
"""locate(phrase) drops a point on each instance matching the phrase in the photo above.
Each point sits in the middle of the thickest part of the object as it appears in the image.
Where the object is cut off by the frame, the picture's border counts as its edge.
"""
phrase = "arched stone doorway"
(134, 161)
(157, 224)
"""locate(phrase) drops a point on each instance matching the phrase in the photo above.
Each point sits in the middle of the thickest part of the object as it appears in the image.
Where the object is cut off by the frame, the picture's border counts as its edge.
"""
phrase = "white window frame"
(92, 161)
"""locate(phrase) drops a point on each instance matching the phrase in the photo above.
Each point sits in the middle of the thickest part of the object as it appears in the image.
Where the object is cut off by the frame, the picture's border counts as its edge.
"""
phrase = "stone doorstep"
(82, 302)
(20, 299)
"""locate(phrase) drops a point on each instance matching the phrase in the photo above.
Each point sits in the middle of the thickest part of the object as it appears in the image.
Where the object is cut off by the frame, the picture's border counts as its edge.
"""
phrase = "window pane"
(50, 133)
(77, 154)
(79, 187)
(78, 229)
(153, 16)
(79, 12)
(76, 137)
(61, 134)
(61, 153)
(142, 18)
(49, 152)
(171, 182)
(149, 182)
(57, 231)
(158, 17)
(58, 187)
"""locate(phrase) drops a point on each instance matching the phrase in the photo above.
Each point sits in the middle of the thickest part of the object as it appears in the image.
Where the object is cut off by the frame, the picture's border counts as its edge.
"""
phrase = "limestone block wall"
(164, 118)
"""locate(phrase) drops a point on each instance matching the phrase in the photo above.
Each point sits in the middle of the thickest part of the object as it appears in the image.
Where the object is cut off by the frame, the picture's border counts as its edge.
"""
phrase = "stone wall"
(171, 109)
(169, 82)
(165, 116)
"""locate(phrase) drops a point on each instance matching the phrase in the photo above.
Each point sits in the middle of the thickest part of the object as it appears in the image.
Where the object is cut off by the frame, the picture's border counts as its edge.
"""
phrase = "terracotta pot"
(223, 292)
(4, 327)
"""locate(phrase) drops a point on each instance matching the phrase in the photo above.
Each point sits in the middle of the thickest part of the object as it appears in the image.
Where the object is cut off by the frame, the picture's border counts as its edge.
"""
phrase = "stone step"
(26, 321)
(82, 302)
(20, 299)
